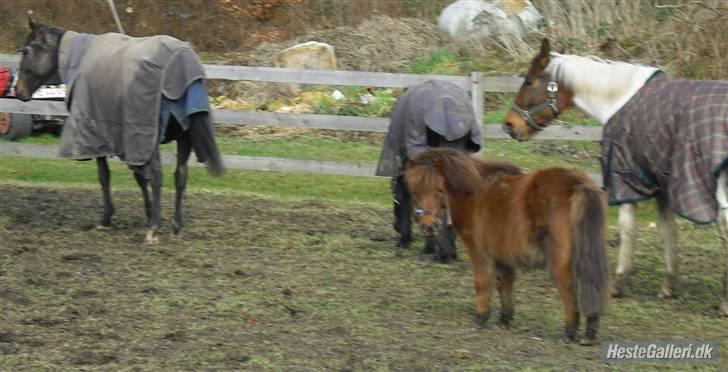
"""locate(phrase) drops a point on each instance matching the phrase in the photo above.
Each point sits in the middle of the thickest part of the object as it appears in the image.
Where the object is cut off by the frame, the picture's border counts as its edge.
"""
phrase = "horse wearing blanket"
(664, 137)
(126, 96)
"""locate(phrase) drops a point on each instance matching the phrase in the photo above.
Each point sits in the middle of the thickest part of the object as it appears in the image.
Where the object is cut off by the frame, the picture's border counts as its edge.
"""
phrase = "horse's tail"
(202, 136)
(589, 260)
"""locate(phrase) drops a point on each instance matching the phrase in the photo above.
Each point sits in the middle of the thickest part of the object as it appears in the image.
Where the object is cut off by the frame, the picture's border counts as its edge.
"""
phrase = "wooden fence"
(476, 84)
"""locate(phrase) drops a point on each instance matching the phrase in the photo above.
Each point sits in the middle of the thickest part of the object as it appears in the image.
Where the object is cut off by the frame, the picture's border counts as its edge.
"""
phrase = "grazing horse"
(506, 218)
(663, 137)
(125, 96)
(430, 114)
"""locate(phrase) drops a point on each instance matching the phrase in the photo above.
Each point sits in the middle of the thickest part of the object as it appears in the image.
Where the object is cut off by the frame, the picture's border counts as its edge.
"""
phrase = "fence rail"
(475, 83)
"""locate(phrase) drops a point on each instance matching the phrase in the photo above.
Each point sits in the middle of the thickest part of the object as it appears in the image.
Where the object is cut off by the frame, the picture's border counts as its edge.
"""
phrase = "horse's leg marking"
(668, 232)
(626, 244)
(721, 195)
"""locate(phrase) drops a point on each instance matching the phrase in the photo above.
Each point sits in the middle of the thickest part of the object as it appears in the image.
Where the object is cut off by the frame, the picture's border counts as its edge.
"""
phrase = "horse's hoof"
(668, 289)
(723, 309)
(398, 251)
(430, 247)
(404, 242)
(102, 227)
(176, 227)
(443, 259)
(619, 286)
(569, 335)
(589, 341)
(151, 238)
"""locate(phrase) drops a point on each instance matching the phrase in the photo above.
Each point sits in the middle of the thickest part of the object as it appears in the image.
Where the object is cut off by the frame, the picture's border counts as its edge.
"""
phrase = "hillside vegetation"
(687, 38)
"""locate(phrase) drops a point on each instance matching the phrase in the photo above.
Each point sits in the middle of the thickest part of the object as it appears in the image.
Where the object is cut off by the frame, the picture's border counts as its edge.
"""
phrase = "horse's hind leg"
(180, 179)
(721, 196)
(505, 277)
(105, 181)
(143, 182)
(626, 244)
(152, 236)
(668, 231)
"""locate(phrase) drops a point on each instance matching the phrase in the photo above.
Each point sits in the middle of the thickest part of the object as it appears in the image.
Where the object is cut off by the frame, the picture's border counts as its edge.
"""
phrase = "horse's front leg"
(143, 183)
(180, 180)
(721, 196)
(626, 244)
(152, 236)
(402, 213)
(505, 277)
(105, 180)
(668, 232)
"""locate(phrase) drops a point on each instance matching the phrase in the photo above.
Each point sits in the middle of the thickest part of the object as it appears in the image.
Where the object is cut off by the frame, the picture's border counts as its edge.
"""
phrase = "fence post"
(477, 98)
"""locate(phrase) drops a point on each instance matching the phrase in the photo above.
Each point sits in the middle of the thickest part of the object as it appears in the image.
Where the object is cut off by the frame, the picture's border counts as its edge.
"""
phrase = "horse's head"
(539, 100)
(433, 176)
(39, 62)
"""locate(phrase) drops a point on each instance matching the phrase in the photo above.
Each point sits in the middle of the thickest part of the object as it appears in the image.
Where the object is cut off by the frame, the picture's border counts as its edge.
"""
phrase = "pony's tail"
(589, 260)
(202, 136)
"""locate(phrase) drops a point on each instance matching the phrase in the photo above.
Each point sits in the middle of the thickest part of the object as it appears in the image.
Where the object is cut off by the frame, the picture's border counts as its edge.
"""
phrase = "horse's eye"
(528, 81)
(26, 50)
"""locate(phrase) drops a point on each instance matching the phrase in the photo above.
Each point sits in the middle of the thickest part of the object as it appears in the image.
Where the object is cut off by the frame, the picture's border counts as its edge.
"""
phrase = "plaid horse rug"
(670, 138)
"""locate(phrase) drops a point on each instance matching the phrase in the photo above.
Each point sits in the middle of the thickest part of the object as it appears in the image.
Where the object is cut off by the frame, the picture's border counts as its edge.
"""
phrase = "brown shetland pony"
(506, 218)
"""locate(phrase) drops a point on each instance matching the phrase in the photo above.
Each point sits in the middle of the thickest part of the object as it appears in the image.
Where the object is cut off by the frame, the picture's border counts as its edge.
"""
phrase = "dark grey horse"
(430, 114)
(125, 101)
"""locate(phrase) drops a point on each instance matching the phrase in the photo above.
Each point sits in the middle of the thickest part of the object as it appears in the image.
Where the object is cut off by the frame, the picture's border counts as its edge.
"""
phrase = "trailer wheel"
(14, 126)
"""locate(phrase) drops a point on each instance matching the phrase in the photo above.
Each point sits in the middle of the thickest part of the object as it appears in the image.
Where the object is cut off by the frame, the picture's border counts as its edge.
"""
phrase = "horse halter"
(527, 115)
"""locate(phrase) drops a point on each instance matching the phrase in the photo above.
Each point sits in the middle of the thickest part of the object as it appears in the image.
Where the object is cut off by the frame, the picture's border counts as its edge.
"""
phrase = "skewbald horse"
(506, 219)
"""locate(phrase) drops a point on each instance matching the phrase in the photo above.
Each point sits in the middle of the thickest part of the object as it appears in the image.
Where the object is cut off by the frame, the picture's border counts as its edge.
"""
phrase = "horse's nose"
(508, 128)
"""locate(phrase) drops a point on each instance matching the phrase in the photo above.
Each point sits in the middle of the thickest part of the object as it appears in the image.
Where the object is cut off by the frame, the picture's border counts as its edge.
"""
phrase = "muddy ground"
(259, 284)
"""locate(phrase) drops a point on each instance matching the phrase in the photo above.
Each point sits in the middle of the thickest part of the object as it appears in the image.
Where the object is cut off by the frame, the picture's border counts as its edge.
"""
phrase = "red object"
(6, 78)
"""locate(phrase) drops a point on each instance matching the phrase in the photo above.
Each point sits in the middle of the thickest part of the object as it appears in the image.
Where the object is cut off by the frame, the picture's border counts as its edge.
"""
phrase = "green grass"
(271, 184)
(309, 146)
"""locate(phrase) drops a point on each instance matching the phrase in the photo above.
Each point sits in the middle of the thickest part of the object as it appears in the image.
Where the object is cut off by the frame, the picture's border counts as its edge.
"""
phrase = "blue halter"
(527, 115)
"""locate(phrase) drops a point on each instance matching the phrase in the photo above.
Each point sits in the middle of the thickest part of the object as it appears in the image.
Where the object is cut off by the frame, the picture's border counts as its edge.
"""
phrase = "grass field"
(296, 272)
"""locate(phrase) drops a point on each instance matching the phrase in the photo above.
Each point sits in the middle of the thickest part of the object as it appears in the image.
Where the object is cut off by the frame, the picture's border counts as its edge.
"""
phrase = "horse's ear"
(32, 23)
(544, 55)
(411, 163)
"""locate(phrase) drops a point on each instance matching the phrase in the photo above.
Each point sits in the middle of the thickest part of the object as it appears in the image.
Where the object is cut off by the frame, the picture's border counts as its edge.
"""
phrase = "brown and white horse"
(665, 119)
(506, 219)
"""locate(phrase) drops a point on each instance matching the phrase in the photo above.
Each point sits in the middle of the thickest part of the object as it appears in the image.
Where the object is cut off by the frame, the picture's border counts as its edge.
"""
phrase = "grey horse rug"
(116, 87)
(671, 137)
(442, 107)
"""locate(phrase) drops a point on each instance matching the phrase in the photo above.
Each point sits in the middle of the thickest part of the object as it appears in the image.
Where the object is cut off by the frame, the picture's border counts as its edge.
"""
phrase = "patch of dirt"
(256, 284)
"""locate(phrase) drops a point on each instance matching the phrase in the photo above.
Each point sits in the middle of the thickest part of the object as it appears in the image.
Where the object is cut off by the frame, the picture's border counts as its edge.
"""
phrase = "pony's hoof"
(443, 259)
(404, 243)
(482, 319)
(398, 251)
(589, 341)
(151, 238)
(505, 320)
(569, 335)
(103, 227)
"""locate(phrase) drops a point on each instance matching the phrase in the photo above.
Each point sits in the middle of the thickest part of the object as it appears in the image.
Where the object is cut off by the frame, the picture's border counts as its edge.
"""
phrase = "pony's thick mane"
(601, 87)
(459, 171)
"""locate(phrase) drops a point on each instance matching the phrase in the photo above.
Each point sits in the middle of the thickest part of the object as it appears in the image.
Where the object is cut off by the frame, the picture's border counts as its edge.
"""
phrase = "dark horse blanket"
(442, 107)
(670, 138)
(116, 85)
